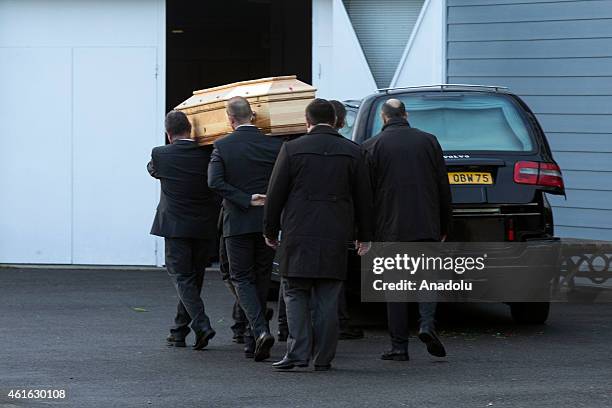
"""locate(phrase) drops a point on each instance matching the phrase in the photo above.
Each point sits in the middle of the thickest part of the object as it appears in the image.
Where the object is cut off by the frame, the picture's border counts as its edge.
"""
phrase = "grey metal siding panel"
(544, 67)
(589, 142)
(531, 30)
(570, 104)
(584, 47)
(557, 55)
(587, 180)
(581, 198)
(582, 232)
(547, 85)
(528, 11)
(596, 162)
(589, 218)
(575, 123)
(488, 2)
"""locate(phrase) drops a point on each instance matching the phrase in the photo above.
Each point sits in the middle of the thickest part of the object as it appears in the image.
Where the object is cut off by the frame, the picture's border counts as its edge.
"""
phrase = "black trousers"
(186, 260)
(312, 316)
(397, 317)
(250, 261)
(240, 321)
(343, 314)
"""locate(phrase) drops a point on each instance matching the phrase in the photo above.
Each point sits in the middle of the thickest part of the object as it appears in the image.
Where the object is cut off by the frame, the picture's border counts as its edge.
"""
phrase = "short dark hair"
(176, 123)
(239, 108)
(394, 108)
(340, 111)
(320, 111)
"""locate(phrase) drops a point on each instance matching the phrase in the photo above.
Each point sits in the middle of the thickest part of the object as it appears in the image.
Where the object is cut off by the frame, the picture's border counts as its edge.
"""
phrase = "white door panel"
(114, 120)
(35, 155)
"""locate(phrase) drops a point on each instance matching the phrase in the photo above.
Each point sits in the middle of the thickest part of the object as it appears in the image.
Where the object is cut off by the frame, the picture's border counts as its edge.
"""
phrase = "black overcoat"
(320, 197)
(412, 198)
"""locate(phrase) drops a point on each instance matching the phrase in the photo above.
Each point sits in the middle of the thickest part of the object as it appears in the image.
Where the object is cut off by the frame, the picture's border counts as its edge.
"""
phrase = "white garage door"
(82, 105)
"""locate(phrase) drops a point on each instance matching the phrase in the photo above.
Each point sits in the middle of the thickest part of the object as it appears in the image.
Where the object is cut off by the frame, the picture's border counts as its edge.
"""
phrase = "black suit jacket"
(187, 207)
(319, 195)
(412, 197)
(240, 166)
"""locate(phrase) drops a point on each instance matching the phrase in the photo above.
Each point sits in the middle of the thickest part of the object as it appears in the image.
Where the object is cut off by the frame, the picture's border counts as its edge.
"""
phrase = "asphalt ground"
(100, 336)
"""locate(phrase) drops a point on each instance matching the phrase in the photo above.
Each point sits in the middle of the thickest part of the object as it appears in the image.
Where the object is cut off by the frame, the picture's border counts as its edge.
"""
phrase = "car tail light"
(526, 172)
(541, 174)
(550, 175)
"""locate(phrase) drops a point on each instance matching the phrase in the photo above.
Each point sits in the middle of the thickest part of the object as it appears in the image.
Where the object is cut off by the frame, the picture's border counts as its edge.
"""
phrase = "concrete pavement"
(99, 334)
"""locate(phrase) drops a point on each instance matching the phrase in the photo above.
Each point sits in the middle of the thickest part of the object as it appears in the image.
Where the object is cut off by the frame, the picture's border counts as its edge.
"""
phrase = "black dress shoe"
(263, 344)
(434, 346)
(287, 364)
(249, 347)
(238, 339)
(202, 338)
(351, 333)
(175, 341)
(325, 367)
(395, 355)
(282, 335)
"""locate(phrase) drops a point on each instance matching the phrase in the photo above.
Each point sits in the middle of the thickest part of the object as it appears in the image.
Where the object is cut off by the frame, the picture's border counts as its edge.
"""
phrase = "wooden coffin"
(278, 103)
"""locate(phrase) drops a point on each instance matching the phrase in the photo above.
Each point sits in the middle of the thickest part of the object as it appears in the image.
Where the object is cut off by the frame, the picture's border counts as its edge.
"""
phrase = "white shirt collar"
(246, 124)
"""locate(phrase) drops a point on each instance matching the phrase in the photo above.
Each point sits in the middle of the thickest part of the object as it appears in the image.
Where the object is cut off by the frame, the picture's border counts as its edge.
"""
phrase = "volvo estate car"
(499, 163)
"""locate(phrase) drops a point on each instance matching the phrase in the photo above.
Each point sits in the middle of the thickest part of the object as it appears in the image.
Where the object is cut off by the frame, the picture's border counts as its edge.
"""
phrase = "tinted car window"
(464, 122)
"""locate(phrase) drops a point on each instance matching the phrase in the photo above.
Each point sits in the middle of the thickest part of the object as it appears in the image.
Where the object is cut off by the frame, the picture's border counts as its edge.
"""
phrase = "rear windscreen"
(466, 122)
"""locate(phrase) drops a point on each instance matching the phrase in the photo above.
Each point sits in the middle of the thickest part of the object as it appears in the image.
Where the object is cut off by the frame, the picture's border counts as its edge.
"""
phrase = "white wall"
(35, 154)
(424, 59)
(82, 101)
(341, 71)
(339, 68)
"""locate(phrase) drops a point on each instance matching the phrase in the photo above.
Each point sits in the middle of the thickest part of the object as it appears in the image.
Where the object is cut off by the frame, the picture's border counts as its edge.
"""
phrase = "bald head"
(239, 111)
(395, 103)
(393, 109)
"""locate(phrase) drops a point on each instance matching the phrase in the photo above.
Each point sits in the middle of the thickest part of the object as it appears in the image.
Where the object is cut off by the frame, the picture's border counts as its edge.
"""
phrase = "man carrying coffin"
(412, 203)
(319, 191)
(239, 171)
(347, 332)
(186, 218)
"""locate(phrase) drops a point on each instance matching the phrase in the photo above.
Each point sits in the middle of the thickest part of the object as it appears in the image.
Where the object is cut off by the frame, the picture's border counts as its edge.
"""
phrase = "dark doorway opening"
(210, 43)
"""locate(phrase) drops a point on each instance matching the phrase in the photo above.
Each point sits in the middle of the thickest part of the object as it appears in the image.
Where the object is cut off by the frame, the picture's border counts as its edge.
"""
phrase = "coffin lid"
(289, 86)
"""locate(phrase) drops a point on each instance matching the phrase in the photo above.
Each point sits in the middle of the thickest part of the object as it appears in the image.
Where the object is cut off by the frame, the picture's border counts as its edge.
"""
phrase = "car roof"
(445, 87)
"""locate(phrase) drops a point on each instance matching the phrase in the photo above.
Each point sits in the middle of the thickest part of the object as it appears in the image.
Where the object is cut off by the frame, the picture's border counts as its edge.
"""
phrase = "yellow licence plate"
(470, 177)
